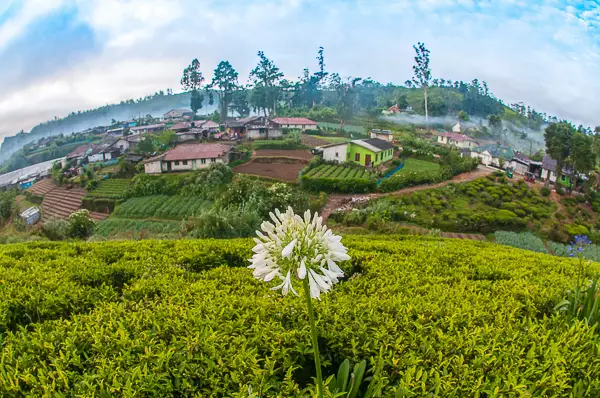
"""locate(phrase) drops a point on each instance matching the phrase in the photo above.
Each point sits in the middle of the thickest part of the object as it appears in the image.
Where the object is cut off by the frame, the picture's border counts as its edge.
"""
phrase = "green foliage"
(484, 205)
(8, 204)
(409, 178)
(522, 240)
(56, 229)
(336, 178)
(161, 206)
(113, 188)
(115, 228)
(292, 142)
(590, 252)
(223, 223)
(102, 205)
(185, 318)
(545, 191)
(347, 383)
(81, 226)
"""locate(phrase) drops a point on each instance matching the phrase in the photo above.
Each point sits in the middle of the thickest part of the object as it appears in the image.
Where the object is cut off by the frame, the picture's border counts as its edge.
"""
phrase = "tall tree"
(346, 97)
(422, 75)
(266, 75)
(582, 155)
(239, 102)
(225, 82)
(193, 79)
(559, 141)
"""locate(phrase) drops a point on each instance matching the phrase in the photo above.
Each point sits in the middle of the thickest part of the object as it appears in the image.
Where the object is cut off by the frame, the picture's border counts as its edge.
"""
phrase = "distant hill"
(155, 105)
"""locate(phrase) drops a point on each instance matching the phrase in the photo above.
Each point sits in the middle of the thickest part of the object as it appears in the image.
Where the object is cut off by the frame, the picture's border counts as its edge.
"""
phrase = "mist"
(511, 132)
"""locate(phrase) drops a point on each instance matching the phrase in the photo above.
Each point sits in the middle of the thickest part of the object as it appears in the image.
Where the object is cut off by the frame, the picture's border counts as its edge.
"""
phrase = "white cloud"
(537, 53)
(30, 11)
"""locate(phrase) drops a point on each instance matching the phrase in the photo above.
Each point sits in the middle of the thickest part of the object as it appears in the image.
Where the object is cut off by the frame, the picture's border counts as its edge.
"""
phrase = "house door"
(168, 166)
(367, 160)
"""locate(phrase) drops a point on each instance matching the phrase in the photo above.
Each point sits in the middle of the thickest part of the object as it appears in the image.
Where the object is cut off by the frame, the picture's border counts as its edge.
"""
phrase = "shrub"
(185, 318)
(56, 229)
(81, 226)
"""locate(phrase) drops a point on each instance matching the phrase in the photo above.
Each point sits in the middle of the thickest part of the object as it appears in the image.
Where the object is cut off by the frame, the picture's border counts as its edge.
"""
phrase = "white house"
(102, 153)
(493, 154)
(30, 215)
(385, 135)
(457, 140)
(179, 114)
(187, 157)
(300, 123)
(152, 128)
(457, 128)
(548, 168)
(254, 128)
(334, 152)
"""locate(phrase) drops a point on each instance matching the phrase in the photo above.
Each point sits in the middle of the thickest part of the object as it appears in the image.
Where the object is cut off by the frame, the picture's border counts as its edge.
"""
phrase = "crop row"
(112, 188)
(161, 206)
(120, 227)
(338, 172)
(186, 318)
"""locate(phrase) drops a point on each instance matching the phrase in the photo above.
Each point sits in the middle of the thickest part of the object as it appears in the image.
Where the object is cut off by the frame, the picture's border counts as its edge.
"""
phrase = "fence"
(391, 172)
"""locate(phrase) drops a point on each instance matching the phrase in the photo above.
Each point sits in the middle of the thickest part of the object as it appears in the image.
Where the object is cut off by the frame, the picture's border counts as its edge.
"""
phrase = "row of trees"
(267, 89)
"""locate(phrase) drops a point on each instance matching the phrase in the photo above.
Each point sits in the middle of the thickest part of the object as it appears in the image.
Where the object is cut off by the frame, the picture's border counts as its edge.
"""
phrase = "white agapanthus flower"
(295, 247)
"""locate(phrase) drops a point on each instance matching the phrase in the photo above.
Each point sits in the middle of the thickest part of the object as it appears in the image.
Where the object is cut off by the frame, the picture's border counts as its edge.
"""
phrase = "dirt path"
(335, 201)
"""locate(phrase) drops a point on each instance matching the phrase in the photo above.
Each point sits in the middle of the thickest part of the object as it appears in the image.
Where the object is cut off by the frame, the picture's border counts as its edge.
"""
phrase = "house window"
(184, 162)
(203, 161)
(212, 160)
(357, 157)
(177, 163)
(336, 155)
(376, 156)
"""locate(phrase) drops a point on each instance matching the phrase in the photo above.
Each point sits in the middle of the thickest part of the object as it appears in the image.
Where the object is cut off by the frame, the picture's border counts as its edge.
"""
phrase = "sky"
(59, 56)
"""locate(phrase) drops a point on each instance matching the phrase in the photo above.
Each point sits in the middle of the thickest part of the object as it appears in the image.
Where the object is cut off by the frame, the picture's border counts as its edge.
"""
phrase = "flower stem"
(313, 333)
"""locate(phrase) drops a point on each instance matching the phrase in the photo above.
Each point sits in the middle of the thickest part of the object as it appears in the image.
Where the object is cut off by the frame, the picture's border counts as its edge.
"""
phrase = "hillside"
(155, 105)
(186, 318)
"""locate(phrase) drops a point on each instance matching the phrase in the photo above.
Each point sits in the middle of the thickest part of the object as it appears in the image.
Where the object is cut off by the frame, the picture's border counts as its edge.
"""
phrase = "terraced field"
(61, 202)
(42, 187)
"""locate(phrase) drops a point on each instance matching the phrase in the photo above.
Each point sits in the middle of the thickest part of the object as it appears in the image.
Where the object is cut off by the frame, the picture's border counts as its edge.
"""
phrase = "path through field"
(336, 201)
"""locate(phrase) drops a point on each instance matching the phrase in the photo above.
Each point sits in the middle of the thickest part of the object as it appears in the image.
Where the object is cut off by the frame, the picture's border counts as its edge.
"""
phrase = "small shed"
(31, 215)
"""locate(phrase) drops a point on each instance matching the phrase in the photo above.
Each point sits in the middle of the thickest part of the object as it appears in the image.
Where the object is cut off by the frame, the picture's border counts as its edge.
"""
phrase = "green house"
(369, 153)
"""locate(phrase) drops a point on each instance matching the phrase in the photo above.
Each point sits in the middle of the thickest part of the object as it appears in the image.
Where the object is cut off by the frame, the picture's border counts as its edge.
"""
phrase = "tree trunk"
(275, 108)
(426, 109)
(341, 126)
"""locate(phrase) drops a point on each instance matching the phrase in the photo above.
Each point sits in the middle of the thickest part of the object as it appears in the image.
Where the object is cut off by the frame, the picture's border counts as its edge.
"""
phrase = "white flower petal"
(302, 270)
(287, 251)
(315, 292)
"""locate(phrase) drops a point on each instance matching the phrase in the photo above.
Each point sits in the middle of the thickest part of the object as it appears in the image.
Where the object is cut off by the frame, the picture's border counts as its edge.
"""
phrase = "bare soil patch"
(279, 171)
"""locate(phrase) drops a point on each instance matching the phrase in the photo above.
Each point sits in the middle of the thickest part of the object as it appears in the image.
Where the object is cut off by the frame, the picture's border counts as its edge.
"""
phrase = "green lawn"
(418, 165)
(332, 140)
(348, 127)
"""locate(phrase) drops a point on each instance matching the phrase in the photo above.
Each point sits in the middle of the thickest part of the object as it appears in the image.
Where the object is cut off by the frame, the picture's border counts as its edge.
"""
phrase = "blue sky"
(58, 56)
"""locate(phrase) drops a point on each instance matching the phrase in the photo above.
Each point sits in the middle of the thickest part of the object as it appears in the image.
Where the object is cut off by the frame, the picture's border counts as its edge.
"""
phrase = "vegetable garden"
(115, 227)
(332, 178)
(161, 206)
(186, 318)
(114, 188)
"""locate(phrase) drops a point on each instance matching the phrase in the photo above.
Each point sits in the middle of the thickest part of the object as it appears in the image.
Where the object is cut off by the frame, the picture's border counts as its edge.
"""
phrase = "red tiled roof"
(196, 151)
(294, 120)
(181, 126)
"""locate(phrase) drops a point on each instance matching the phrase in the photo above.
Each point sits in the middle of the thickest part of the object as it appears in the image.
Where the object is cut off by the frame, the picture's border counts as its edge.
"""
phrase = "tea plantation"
(186, 318)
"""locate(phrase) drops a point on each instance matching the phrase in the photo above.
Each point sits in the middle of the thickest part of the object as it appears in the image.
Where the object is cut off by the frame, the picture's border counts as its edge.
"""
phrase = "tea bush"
(186, 318)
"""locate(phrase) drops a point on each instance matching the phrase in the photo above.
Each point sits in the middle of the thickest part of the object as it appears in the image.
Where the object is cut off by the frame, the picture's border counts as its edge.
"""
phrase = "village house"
(493, 155)
(548, 172)
(153, 128)
(521, 164)
(128, 142)
(80, 154)
(44, 142)
(253, 128)
(115, 132)
(385, 135)
(368, 153)
(300, 123)
(456, 140)
(179, 114)
(104, 152)
(187, 157)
